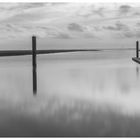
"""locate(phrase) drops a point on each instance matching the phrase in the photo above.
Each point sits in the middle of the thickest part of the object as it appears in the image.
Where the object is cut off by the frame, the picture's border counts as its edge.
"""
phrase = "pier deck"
(136, 59)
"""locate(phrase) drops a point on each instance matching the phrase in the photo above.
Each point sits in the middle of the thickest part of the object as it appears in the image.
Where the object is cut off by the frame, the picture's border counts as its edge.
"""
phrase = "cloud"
(138, 24)
(24, 16)
(75, 27)
(32, 5)
(20, 6)
(129, 34)
(13, 30)
(99, 11)
(89, 35)
(123, 31)
(91, 10)
(136, 13)
(118, 27)
(124, 9)
(16, 12)
(64, 20)
(57, 3)
(132, 34)
(63, 36)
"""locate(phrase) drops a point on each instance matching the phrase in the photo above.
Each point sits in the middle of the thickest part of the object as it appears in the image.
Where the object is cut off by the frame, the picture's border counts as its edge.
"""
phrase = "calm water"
(78, 95)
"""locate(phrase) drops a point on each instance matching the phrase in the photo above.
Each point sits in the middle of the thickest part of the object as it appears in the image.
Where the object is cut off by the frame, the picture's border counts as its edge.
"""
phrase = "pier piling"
(137, 49)
(34, 65)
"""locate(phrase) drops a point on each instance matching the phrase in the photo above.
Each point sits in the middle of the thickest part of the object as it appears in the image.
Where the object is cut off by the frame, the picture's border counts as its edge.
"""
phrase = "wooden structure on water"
(137, 59)
(34, 52)
(34, 64)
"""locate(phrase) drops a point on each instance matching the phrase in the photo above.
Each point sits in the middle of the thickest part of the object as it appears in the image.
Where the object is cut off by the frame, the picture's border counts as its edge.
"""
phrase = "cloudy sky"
(69, 25)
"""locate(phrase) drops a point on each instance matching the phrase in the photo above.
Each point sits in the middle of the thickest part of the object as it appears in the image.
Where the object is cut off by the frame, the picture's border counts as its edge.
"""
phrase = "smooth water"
(92, 96)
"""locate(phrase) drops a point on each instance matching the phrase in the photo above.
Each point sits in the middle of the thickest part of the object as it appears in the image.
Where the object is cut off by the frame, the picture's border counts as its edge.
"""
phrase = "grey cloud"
(13, 30)
(33, 5)
(138, 24)
(19, 12)
(136, 13)
(138, 34)
(21, 6)
(128, 34)
(123, 31)
(8, 6)
(93, 12)
(118, 27)
(63, 36)
(25, 17)
(96, 28)
(9, 28)
(75, 27)
(58, 3)
(110, 27)
(89, 35)
(99, 11)
(131, 34)
(124, 9)
(43, 31)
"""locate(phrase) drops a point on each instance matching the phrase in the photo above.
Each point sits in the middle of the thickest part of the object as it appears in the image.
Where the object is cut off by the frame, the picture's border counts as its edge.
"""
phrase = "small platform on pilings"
(136, 59)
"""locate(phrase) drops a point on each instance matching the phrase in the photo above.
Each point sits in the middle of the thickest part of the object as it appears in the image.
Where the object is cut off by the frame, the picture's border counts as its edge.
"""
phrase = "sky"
(69, 25)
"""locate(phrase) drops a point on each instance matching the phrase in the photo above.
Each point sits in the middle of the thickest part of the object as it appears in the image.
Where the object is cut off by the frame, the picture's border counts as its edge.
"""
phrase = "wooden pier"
(34, 52)
(137, 59)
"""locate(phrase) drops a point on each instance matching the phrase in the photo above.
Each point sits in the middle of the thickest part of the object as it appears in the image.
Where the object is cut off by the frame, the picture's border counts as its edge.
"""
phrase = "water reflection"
(137, 71)
(105, 83)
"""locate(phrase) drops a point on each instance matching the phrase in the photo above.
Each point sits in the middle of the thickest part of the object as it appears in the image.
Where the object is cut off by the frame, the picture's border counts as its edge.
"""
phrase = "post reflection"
(137, 71)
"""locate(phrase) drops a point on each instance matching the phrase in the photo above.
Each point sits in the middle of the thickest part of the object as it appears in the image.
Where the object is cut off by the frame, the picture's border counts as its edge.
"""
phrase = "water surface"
(79, 94)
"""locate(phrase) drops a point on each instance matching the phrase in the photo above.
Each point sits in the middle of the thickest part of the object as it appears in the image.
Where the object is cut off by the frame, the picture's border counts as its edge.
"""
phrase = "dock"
(34, 52)
(137, 59)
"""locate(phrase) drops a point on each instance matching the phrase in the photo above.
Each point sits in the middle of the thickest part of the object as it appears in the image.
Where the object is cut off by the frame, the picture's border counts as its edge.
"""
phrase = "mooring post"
(137, 49)
(34, 64)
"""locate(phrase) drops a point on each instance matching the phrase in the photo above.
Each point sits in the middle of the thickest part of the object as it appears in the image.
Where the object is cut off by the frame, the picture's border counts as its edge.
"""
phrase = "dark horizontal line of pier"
(29, 52)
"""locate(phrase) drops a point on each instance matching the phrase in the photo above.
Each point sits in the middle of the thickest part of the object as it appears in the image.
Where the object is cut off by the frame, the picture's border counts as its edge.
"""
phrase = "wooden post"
(137, 49)
(34, 64)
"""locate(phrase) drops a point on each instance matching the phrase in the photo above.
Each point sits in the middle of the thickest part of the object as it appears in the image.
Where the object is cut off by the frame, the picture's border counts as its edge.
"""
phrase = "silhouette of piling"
(137, 49)
(34, 65)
